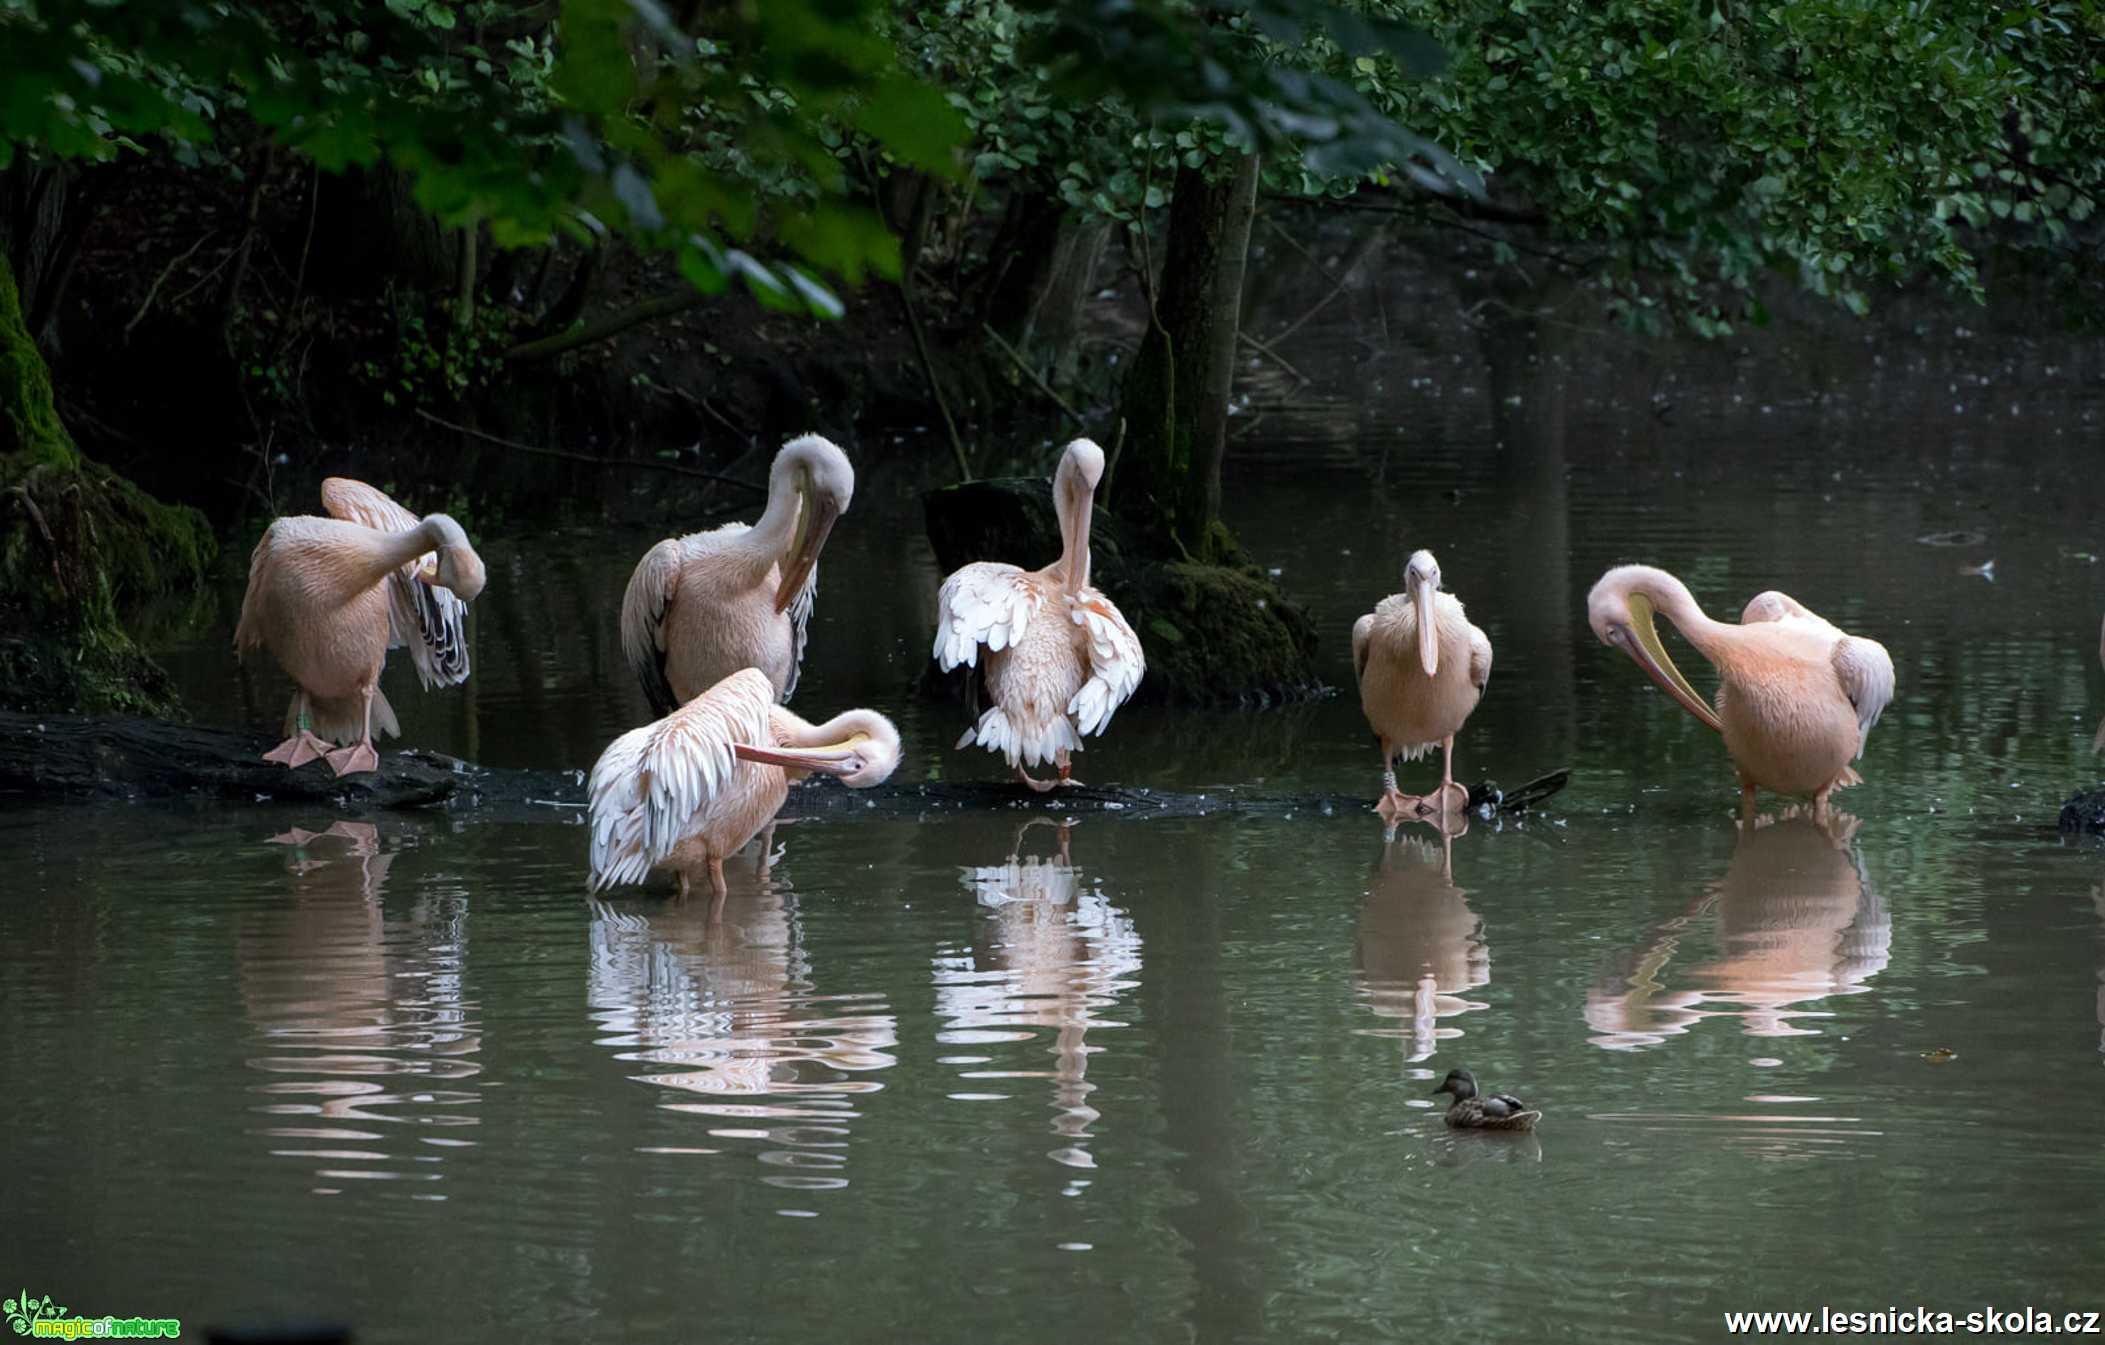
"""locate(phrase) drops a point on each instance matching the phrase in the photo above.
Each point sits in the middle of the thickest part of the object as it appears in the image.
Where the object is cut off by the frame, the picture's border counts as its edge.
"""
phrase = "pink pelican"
(330, 596)
(1051, 681)
(1796, 696)
(1421, 668)
(701, 607)
(695, 786)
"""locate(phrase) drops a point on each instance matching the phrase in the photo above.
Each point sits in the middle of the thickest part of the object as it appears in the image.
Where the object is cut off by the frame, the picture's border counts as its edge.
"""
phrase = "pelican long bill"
(841, 758)
(815, 519)
(1650, 654)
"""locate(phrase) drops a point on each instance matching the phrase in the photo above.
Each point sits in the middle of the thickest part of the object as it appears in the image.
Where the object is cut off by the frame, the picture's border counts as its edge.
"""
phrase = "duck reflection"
(1795, 923)
(726, 1014)
(1049, 952)
(364, 1022)
(1419, 948)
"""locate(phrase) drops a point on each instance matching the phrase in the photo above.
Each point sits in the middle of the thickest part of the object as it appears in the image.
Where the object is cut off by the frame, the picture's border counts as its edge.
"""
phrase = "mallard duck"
(1471, 1111)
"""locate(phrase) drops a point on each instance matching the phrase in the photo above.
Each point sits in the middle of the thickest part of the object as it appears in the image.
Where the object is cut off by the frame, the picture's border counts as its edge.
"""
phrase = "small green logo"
(24, 1312)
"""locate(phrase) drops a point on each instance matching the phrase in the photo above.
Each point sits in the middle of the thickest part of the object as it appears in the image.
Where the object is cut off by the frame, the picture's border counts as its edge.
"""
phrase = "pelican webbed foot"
(298, 750)
(355, 758)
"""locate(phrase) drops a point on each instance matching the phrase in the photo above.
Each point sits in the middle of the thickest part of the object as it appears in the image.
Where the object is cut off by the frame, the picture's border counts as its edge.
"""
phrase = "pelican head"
(819, 474)
(1421, 580)
(459, 568)
(861, 747)
(1074, 496)
(1620, 609)
(1459, 1082)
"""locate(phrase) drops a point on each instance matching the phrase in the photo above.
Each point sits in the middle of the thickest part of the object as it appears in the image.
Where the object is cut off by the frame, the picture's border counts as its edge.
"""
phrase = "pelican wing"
(987, 603)
(652, 785)
(646, 607)
(1479, 658)
(1115, 661)
(1866, 673)
(1362, 642)
(427, 618)
(800, 609)
(248, 632)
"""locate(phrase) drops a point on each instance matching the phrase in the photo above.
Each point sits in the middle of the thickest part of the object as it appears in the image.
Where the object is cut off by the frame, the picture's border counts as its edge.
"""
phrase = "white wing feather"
(987, 603)
(652, 786)
(1115, 661)
(1866, 673)
(426, 618)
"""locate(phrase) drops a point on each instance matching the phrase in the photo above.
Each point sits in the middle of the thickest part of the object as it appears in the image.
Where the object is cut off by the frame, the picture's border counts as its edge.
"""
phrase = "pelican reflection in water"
(365, 1032)
(726, 1015)
(1794, 921)
(1419, 948)
(1049, 952)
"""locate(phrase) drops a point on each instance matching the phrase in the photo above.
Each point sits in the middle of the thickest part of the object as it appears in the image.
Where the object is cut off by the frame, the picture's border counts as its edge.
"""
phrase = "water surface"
(956, 1078)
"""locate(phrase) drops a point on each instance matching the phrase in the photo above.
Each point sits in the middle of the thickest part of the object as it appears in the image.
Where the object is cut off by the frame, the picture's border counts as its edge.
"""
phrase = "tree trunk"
(1176, 394)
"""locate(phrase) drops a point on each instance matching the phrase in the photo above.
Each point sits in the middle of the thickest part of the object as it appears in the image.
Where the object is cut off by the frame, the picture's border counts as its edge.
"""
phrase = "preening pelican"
(330, 596)
(1421, 668)
(700, 607)
(1051, 679)
(698, 784)
(1796, 697)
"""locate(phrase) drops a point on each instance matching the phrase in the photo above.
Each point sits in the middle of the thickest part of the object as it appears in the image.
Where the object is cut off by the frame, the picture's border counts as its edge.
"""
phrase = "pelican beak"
(1428, 631)
(1644, 648)
(842, 758)
(814, 520)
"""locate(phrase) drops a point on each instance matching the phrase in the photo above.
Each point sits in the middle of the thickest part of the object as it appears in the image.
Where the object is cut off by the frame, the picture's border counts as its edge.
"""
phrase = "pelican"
(1796, 696)
(1051, 681)
(1421, 668)
(701, 607)
(698, 784)
(330, 596)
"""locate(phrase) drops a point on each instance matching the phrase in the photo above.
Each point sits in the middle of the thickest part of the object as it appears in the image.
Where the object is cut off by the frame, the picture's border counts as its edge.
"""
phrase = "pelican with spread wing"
(330, 596)
(1060, 658)
(1797, 697)
(699, 608)
(692, 788)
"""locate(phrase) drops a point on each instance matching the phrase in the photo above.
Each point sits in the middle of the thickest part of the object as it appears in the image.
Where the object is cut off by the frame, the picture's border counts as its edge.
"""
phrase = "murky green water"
(1165, 1080)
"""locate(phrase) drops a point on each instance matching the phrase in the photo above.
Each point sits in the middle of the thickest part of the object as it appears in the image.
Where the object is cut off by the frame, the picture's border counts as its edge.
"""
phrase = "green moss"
(75, 540)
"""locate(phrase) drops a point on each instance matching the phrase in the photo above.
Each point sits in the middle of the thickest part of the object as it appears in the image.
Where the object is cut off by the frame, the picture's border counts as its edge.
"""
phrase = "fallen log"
(87, 757)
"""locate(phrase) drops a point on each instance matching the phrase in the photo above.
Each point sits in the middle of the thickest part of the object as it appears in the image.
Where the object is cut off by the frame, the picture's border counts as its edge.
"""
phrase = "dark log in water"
(2084, 813)
(50, 757)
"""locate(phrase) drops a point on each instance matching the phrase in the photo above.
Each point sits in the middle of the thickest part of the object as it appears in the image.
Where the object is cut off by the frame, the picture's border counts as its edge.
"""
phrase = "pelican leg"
(722, 889)
(1060, 759)
(1747, 799)
(765, 860)
(1448, 786)
(1037, 786)
(360, 755)
(685, 885)
(1394, 803)
(302, 747)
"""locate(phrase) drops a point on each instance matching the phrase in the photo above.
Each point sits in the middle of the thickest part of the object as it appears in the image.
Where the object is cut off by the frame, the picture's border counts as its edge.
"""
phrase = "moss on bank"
(75, 540)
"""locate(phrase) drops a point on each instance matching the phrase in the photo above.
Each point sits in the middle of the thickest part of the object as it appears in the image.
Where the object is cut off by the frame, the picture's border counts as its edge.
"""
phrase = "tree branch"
(613, 324)
(644, 464)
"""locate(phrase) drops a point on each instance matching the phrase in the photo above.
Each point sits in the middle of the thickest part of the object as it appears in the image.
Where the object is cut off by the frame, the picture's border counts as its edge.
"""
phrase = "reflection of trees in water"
(363, 1021)
(1795, 923)
(1050, 951)
(1419, 948)
(726, 1013)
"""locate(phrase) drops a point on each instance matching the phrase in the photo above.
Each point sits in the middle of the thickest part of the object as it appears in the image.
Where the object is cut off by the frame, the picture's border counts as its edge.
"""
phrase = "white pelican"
(1421, 668)
(1051, 679)
(695, 786)
(1796, 697)
(330, 596)
(701, 607)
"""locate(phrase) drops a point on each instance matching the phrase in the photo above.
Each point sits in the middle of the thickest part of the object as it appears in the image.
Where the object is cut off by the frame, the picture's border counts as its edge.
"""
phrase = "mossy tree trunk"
(1176, 395)
(75, 539)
